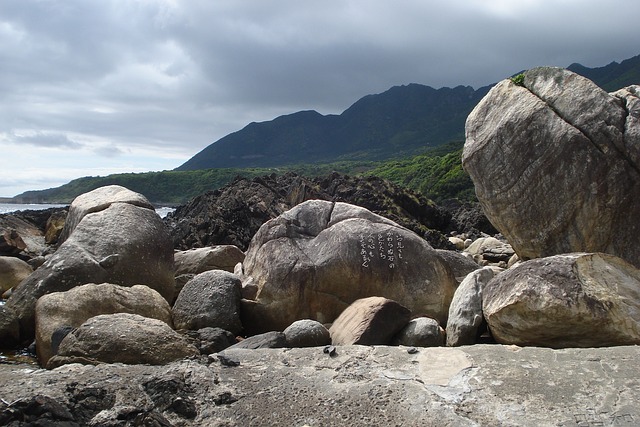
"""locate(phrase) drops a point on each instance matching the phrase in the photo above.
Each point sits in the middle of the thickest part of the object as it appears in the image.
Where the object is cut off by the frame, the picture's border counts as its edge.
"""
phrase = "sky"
(95, 87)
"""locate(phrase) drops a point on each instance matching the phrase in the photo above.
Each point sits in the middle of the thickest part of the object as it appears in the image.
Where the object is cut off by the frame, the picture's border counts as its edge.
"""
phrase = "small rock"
(307, 333)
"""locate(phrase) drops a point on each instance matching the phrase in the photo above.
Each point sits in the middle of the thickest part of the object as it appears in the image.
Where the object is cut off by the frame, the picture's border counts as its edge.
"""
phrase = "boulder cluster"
(556, 166)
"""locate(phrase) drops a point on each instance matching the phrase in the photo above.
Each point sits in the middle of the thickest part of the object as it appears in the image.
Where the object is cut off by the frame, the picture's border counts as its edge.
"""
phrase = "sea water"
(13, 207)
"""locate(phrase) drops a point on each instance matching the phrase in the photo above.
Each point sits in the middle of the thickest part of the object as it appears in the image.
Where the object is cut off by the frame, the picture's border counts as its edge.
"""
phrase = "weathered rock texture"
(272, 339)
(99, 200)
(9, 328)
(20, 237)
(465, 311)
(369, 321)
(233, 214)
(75, 306)
(571, 300)
(420, 332)
(556, 162)
(199, 260)
(307, 333)
(124, 244)
(210, 299)
(319, 257)
(489, 250)
(12, 271)
(122, 338)
(482, 385)
(460, 264)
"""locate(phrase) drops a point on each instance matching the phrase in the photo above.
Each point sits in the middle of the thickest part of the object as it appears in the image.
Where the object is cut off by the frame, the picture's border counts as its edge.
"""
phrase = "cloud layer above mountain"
(97, 87)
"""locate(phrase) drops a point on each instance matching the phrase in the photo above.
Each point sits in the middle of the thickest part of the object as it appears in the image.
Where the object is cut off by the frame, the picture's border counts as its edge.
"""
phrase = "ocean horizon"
(6, 208)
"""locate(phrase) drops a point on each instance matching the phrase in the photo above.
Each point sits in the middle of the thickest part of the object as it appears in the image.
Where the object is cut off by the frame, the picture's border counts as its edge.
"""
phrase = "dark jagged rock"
(233, 214)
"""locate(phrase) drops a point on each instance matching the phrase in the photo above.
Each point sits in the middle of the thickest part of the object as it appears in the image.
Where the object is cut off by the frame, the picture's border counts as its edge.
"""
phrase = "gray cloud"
(172, 76)
(47, 140)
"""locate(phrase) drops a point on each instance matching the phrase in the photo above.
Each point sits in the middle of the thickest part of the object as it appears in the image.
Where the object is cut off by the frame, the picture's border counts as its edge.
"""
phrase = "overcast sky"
(94, 87)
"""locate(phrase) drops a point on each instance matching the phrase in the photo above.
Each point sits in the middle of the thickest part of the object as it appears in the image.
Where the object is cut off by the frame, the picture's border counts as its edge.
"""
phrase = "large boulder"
(99, 200)
(317, 258)
(369, 321)
(556, 164)
(210, 299)
(122, 338)
(570, 300)
(73, 307)
(199, 260)
(12, 271)
(124, 244)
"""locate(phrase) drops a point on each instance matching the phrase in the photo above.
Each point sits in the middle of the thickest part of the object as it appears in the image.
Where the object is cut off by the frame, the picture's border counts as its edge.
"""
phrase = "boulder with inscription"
(570, 300)
(75, 306)
(556, 164)
(314, 260)
(121, 243)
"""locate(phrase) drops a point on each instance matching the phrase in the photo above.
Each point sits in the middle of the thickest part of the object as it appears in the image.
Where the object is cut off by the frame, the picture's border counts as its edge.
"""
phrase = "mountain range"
(380, 134)
(400, 122)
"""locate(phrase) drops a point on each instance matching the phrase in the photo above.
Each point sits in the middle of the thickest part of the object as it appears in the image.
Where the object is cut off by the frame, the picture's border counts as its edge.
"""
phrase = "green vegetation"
(518, 79)
(436, 173)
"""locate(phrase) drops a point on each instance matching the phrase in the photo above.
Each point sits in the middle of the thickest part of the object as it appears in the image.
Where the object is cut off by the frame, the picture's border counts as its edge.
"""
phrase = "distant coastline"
(11, 207)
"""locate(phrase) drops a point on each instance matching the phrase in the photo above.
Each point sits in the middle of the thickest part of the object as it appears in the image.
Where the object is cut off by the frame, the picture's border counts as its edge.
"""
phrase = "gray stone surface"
(314, 260)
(556, 162)
(482, 385)
(465, 311)
(307, 333)
(199, 260)
(569, 300)
(460, 264)
(75, 306)
(122, 338)
(420, 332)
(123, 244)
(210, 299)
